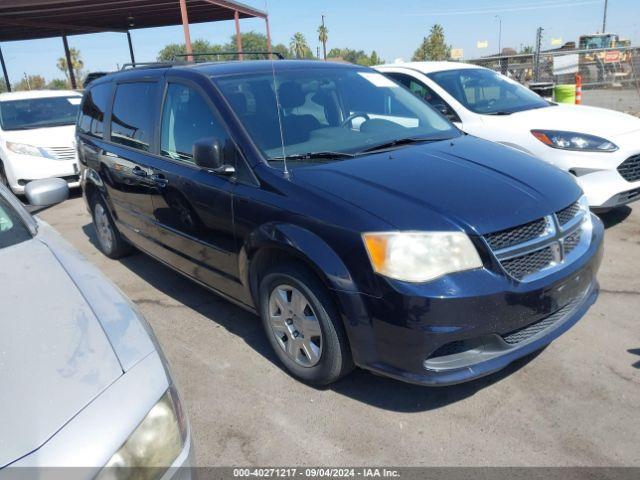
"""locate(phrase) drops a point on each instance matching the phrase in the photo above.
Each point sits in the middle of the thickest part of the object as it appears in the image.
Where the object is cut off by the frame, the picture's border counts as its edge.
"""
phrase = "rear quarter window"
(12, 229)
(94, 106)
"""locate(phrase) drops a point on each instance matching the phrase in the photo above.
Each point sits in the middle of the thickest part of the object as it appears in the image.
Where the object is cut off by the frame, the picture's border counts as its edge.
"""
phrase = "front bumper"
(467, 325)
(21, 169)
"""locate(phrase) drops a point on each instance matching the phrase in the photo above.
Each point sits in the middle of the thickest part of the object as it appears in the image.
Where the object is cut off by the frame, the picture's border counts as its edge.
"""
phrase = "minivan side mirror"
(207, 153)
(47, 191)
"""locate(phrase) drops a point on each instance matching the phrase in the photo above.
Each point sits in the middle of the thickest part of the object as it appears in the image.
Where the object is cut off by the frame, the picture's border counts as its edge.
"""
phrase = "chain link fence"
(610, 76)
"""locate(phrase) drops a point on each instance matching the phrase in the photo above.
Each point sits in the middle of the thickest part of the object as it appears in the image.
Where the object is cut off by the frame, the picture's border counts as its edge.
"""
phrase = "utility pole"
(604, 18)
(536, 58)
(324, 42)
(499, 34)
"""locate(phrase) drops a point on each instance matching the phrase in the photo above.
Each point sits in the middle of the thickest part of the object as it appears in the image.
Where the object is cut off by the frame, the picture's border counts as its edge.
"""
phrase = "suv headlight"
(24, 149)
(420, 256)
(574, 141)
(153, 446)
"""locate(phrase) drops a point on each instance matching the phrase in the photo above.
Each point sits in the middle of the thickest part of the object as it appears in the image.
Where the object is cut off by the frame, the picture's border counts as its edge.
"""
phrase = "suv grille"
(630, 169)
(527, 250)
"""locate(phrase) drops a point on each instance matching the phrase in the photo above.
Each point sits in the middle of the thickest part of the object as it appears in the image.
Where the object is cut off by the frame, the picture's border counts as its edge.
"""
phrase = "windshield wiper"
(314, 155)
(499, 113)
(402, 141)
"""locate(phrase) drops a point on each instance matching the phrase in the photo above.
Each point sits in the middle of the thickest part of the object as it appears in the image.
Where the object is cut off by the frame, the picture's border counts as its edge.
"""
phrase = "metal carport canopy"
(31, 19)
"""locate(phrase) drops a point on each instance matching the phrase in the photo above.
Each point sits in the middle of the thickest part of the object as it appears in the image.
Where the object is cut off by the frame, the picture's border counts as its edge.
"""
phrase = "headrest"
(291, 95)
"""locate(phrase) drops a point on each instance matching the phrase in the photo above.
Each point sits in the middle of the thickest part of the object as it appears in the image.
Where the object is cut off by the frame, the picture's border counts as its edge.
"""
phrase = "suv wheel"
(110, 241)
(303, 325)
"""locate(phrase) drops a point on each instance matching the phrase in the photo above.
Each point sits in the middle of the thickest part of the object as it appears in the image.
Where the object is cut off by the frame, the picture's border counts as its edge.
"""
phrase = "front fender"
(301, 243)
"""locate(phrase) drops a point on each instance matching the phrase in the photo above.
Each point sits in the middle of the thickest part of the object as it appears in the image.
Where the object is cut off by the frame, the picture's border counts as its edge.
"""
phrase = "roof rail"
(218, 54)
(128, 66)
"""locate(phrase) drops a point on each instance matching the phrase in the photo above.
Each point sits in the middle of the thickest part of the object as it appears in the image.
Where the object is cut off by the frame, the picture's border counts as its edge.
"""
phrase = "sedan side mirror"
(48, 191)
(207, 153)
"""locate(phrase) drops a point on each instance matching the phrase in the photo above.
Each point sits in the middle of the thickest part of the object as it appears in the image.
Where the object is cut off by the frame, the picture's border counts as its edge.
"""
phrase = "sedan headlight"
(24, 149)
(153, 446)
(574, 141)
(420, 256)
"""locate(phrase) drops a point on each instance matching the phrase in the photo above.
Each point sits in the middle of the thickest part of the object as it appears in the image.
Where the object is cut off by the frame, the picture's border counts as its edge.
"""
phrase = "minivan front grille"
(531, 249)
(516, 235)
(630, 169)
(62, 153)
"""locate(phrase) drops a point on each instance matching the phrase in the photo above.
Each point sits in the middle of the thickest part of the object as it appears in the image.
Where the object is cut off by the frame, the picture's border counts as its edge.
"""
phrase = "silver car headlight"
(153, 446)
(24, 149)
(420, 256)
(574, 141)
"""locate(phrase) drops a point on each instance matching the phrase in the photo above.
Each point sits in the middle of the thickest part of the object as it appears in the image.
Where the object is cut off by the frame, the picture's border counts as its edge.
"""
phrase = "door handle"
(159, 179)
(139, 172)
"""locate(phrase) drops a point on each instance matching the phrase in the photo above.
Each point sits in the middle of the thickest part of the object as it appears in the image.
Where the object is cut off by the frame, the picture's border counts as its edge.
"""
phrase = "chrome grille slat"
(530, 250)
(62, 153)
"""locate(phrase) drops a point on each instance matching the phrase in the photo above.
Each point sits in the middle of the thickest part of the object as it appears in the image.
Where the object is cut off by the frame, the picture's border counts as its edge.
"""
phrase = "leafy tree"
(433, 46)
(76, 63)
(323, 36)
(528, 49)
(358, 57)
(3, 86)
(298, 46)
(251, 41)
(58, 84)
(32, 82)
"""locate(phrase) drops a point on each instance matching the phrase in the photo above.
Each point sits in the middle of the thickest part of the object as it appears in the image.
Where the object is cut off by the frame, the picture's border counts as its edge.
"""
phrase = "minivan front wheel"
(110, 241)
(303, 325)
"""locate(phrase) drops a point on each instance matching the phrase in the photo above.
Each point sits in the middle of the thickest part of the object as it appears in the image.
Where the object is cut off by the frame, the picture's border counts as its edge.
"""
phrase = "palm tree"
(323, 36)
(298, 46)
(76, 63)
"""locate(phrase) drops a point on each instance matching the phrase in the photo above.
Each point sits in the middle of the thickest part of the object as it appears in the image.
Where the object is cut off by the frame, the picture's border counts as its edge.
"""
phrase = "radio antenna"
(275, 89)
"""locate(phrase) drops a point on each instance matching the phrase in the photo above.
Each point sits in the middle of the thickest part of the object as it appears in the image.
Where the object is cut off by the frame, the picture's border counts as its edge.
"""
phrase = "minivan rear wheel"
(303, 325)
(110, 242)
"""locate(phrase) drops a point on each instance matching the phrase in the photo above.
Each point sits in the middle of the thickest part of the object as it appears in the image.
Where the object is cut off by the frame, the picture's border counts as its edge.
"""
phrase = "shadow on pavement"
(360, 385)
(635, 351)
(615, 216)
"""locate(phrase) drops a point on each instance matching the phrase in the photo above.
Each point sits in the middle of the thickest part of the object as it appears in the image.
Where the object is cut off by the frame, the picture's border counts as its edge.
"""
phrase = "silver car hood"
(55, 357)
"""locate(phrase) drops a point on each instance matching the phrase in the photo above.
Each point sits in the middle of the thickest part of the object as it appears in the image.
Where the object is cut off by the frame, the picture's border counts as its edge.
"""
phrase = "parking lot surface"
(575, 403)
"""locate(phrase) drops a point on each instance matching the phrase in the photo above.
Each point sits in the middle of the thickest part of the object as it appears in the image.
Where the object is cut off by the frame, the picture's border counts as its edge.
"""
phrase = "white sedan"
(37, 130)
(600, 147)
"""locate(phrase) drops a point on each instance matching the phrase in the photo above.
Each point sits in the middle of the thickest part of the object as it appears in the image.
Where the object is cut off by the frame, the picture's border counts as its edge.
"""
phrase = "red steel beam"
(236, 17)
(239, 7)
(185, 26)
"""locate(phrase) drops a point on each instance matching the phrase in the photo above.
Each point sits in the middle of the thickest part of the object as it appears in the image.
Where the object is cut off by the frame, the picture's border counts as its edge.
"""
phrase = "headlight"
(24, 149)
(574, 141)
(420, 256)
(154, 444)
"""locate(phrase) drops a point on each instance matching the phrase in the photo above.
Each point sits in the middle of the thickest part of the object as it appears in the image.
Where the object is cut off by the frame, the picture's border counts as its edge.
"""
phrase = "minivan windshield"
(43, 112)
(487, 92)
(329, 114)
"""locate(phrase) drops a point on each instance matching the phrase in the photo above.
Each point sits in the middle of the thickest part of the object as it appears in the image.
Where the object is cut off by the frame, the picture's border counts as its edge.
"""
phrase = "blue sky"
(392, 28)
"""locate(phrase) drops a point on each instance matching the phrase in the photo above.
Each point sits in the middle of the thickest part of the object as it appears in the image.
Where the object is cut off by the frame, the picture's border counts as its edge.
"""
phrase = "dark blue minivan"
(360, 224)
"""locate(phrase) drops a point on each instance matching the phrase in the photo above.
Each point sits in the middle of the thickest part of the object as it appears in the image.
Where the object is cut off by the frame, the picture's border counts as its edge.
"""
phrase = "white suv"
(600, 147)
(37, 137)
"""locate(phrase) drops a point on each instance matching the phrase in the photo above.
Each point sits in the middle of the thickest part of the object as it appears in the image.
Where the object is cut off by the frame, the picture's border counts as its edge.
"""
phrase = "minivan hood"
(62, 136)
(465, 183)
(573, 118)
(54, 355)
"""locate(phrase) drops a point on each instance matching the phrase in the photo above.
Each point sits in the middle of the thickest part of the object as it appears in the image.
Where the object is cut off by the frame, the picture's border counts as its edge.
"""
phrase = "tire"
(293, 301)
(110, 241)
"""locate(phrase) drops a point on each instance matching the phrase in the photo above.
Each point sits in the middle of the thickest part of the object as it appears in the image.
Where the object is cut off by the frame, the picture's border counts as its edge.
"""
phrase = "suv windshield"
(328, 114)
(38, 112)
(12, 228)
(486, 92)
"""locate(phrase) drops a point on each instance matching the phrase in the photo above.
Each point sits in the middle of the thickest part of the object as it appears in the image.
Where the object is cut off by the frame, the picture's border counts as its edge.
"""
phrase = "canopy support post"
(133, 58)
(185, 27)
(67, 54)
(4, 72)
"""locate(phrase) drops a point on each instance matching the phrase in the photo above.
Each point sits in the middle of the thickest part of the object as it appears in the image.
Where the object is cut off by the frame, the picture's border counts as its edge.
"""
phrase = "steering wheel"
(347, 121)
